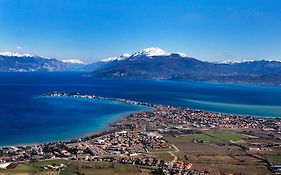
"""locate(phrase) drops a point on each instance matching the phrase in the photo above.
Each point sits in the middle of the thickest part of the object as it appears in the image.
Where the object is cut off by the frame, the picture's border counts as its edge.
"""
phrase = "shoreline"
(105, 130)
(136, 138)
(229, 113)
(122, 100)
(110, 126)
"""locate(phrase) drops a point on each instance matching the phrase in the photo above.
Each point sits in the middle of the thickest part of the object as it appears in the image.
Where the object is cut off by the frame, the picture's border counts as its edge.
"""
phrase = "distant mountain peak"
(181, 54)
(122, 57)
(235, 61)
(277, 60)
(73, 61)
(126, 55)
(15, 54)
(155, 51)
(147, 52)
(245, 61)
(150, 52)
(19, 55)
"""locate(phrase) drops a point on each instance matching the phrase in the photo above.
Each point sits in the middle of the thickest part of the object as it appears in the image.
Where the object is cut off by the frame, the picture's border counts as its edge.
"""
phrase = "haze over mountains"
(153, 63)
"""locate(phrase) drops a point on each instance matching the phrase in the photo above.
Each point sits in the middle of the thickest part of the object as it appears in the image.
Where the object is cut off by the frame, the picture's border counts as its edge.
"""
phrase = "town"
(141, 138)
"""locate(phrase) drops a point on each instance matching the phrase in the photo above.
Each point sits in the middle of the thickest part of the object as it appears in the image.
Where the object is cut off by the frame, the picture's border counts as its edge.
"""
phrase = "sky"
(210, 30)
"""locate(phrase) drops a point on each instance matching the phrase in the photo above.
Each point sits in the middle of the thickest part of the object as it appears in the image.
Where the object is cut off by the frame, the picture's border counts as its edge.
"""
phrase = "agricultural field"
(274, 158)
(216, 150)
(223, 152)
(74, 168)
(33, 168)
(210, 137)
(163, 156)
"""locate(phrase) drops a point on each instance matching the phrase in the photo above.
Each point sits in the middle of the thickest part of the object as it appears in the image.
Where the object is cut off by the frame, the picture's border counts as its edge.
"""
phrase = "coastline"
(104, 129)
(138, 138)
(109, 126)
(233, 105)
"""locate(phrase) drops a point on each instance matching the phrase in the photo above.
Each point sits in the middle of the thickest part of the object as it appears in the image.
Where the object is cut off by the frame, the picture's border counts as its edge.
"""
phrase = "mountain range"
(154, 63)
(15, 62)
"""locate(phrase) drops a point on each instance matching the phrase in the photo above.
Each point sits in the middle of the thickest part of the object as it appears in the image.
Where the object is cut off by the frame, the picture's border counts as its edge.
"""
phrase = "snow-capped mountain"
(150, 52)
(122, 57)
(16, 62)
(14, 54)
(73, 61)
(234, 61)
(244, 61)
(154, 52)
(155, 63)
(151, 63)
(147, 53)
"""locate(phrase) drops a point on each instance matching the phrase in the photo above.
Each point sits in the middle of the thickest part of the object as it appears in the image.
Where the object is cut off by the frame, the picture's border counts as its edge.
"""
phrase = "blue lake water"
(27, 118)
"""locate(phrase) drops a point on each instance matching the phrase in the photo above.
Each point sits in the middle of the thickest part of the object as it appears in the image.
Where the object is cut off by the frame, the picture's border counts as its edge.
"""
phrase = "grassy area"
(210, 137)
(187, 147)
(161, 150)
(21, 169)
(102, 168)
(35, 168)
(118, 169)
(13, 172)
(73, 168)
(41, 164)
(232, 168)
(70, 170)
(163, 156)
(46, 173)
(214, 156)
(229, 164)
(274, 158)
(125, 168)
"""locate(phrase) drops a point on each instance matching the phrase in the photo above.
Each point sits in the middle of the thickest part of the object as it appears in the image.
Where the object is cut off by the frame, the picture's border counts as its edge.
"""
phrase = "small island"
(164, 140)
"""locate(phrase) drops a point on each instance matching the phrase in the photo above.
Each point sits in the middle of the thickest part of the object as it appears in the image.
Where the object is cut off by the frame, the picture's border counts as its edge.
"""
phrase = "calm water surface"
(26, 118)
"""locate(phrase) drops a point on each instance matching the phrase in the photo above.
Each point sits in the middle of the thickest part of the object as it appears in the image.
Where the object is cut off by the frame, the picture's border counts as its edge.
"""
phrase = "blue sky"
(93, 29)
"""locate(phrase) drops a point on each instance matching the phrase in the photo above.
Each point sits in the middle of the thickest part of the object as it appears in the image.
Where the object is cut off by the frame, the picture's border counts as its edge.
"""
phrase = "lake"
(28, 118)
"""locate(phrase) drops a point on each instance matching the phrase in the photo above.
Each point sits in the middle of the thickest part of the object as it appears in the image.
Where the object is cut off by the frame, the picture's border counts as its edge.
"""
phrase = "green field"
(163, 156)
(33, 168)
(210, 137)
(41, 164)
(118, 169)
(73, 168)
(274, 158)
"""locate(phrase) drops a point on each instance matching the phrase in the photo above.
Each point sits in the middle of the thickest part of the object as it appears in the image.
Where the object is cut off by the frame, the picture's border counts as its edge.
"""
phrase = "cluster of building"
(183, 121)
(120, 143)
(146, 162)
(165, 115)
(125, 147)
(127, 143)
(131, 139)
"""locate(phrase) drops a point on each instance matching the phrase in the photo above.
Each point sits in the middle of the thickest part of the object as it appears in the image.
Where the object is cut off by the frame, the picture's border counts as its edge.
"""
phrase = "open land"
(165, 140)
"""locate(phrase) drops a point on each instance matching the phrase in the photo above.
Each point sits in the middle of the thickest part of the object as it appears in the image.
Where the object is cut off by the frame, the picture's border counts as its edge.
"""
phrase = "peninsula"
(165, 140)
